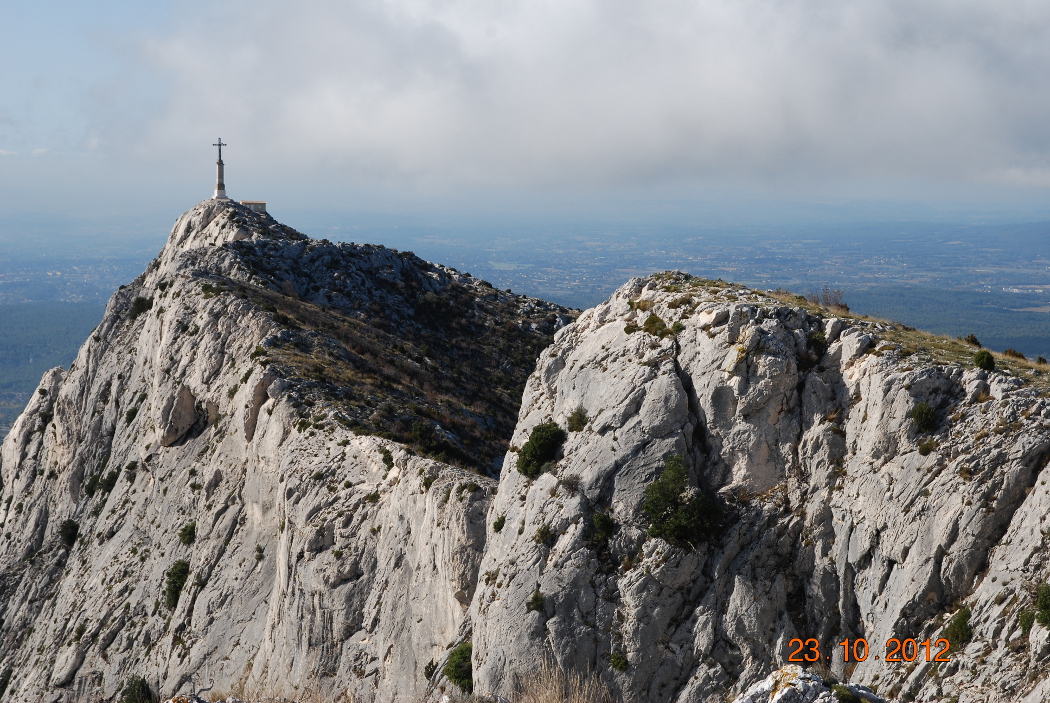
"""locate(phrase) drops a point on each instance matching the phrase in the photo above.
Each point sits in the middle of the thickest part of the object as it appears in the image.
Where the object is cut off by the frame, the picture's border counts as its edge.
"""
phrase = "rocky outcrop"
(215, 427)
(842, 518)
(281, 463)
(791, 684)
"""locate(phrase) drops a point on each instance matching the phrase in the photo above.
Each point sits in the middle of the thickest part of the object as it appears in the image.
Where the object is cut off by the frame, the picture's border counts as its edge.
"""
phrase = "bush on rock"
(678, 512)
(924, 416)
(458, 669)
(68, 531)
(176, 579)
(540, 450)
(136, 690)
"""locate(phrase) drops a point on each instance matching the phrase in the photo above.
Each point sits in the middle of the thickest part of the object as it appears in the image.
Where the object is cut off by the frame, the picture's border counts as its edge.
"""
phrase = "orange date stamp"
(857, 650)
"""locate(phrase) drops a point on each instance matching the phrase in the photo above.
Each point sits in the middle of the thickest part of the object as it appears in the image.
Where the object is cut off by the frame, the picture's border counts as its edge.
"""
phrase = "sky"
(558, 108)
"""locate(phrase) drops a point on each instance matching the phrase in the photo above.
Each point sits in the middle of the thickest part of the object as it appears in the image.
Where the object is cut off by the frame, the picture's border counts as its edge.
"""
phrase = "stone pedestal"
(220, 185)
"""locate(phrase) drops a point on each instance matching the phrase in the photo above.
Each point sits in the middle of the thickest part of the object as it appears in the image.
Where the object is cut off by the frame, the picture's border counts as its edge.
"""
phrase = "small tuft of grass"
(578, 419)
(537, 602)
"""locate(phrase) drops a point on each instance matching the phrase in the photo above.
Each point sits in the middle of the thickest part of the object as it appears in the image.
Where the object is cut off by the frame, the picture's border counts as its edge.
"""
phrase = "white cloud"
(613, 92)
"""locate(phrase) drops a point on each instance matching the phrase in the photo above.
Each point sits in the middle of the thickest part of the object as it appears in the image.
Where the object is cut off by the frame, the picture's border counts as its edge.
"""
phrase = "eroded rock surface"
(215, 419)
(843, 519)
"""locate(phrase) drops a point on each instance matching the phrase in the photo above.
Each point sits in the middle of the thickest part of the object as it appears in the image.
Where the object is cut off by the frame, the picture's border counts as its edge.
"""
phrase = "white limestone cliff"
(844, 520)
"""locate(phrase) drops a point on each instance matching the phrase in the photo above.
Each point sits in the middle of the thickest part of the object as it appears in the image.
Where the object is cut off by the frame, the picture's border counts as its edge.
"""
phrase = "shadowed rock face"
(301, 404)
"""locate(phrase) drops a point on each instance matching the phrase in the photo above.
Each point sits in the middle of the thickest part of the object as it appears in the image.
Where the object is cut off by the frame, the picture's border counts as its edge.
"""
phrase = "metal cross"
(220, 145)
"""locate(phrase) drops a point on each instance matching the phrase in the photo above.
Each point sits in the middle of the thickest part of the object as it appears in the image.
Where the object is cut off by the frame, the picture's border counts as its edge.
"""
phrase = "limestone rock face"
(284, 465)
(842, 519)
(213, 421)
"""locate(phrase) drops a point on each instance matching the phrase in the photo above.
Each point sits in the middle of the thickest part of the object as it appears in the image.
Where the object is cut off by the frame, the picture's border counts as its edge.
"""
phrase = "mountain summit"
(282, 464)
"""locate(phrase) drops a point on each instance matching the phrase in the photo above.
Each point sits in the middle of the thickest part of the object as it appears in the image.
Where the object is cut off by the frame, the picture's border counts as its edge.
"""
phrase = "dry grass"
(311, 692)
(547, 684)
(551, 684)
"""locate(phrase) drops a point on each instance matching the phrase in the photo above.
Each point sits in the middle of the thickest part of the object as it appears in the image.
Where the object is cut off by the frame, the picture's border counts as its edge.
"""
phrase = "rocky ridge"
(211, 494)
(300, 404)
(844, 518)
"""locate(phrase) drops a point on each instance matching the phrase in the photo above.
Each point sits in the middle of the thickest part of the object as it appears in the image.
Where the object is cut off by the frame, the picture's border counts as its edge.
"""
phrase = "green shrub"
(176, 579)
(68, 531)
(818, 344)
(136, 690)
(5, 679)
(458, 668)
(1041, 360)
(958, 631)
(1014, 354)
(926, 447)
(545, 535)
(681, 515)
(972, 340)
(602, 529)
(138, 306)
(655, 326)
(1042, 597)
(540, 450)
(130, 415)
(924, 416)
(1042, 604)
(188, 533)
(578, 419)
(1026, 619)
(984, 360)
(618, 661)
(388, 458)
(429, 669)
(844, 695)
(107, 482)
(130, 470)
(497, 526)
(536, 601)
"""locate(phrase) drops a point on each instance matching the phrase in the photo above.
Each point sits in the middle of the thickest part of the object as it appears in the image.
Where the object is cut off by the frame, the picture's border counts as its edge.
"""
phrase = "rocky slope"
(328, 417)
(235, 412)
(842, 519)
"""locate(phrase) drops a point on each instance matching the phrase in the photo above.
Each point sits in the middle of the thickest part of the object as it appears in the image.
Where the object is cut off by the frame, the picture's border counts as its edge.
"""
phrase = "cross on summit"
(220, 186)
